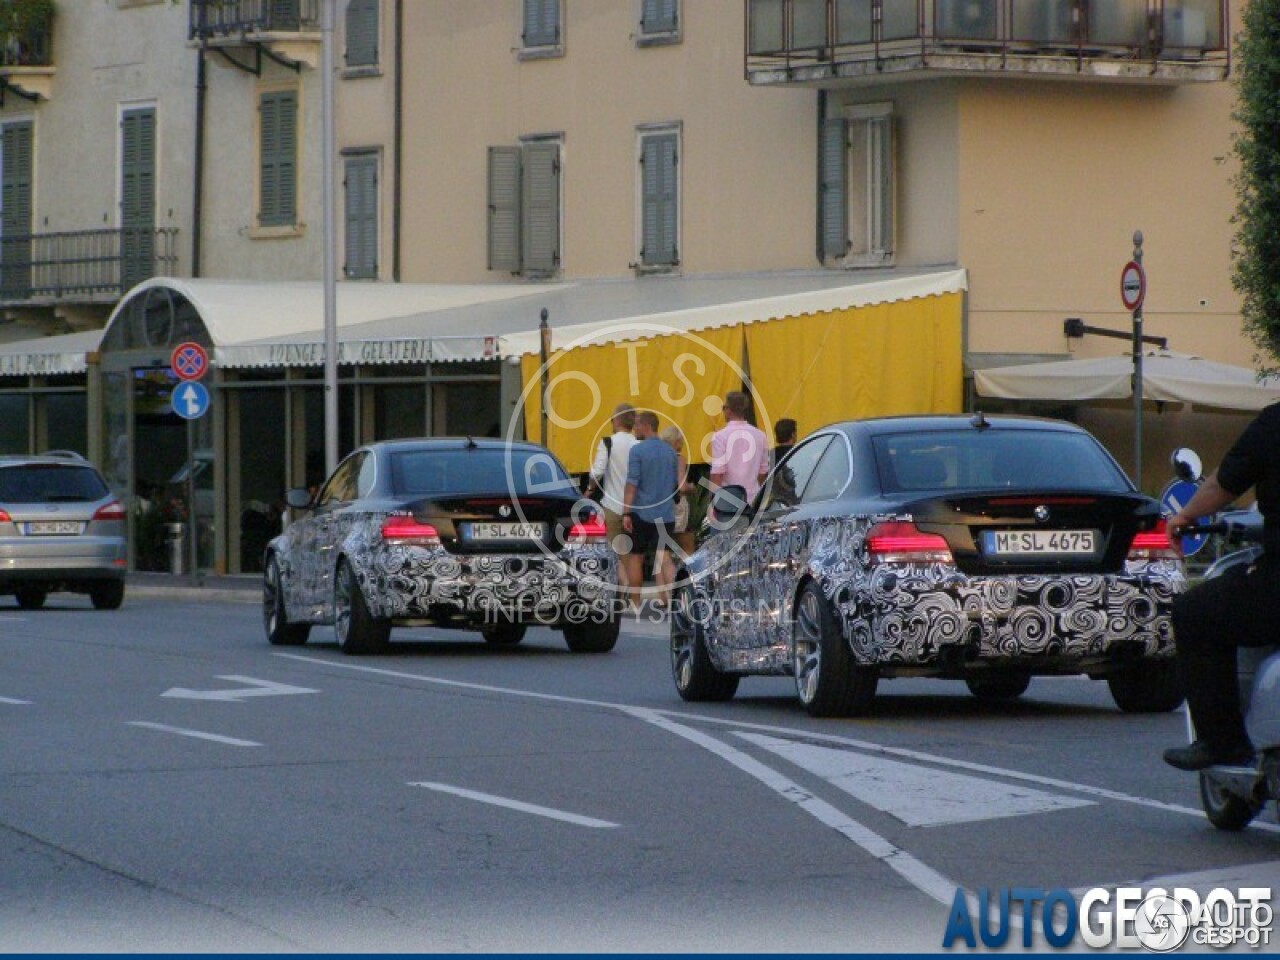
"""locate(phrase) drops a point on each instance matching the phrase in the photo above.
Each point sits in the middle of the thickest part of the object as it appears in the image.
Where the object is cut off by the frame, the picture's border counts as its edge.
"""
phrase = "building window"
(278, 159)
(542, 34)
(658, 188)
(360, 183)
(362, 33)
(856, 186)
(659, 22)
(524, 208)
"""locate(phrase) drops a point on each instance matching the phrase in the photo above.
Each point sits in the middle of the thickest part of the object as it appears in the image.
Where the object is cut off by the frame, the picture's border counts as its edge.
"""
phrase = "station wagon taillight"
(591, 530)
(5, 518)
(1154, 544)
(111, 511)
(403, 528)
(902, 542)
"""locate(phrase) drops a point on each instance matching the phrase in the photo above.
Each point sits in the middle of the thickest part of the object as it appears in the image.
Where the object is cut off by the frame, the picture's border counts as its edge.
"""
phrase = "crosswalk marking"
(918, 796)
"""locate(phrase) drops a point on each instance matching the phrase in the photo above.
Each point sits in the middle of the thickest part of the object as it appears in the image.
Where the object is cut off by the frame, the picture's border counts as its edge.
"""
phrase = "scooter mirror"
(1187, 465)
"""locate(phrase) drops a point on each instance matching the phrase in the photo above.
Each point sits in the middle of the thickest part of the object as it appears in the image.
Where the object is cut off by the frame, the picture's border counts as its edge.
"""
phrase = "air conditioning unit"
(966, 19)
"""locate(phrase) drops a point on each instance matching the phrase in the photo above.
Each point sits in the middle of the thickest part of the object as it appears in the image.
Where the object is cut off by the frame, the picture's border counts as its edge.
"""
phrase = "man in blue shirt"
(648, 506)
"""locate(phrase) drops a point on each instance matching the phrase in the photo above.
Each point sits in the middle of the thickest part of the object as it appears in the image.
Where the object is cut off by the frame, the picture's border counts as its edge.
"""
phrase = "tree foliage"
(1257, 260)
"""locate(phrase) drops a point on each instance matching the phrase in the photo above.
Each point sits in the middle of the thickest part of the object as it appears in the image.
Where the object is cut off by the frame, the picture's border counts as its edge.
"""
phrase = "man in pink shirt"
(739, 452)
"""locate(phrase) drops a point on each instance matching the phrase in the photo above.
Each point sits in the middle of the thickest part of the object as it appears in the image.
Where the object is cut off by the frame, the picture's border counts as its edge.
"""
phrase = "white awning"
(48, 356)
(1166, 376)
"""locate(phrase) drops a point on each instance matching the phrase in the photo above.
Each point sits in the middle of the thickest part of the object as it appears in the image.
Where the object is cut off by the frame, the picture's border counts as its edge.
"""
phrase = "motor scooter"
(1233, 795)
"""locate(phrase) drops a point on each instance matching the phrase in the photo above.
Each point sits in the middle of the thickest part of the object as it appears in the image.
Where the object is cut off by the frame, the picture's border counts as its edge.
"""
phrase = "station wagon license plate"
(53, 528)
(1017, 543)
(505, 531)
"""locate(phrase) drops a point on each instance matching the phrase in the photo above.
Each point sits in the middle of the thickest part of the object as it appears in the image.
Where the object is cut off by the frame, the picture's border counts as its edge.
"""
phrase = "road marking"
(518, 805)
(180, 731)
(868, 746)
(918, 796)
(255, 688)
(16, 703)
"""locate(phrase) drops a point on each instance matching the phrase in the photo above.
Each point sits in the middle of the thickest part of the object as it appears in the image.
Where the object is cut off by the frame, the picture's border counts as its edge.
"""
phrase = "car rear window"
(50, 483)
(995, 459)
(429, 473)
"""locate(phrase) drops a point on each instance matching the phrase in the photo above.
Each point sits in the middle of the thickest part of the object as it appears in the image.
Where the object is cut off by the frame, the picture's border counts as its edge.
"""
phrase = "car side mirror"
(1187, 465)
(299, 498)
(728, 504)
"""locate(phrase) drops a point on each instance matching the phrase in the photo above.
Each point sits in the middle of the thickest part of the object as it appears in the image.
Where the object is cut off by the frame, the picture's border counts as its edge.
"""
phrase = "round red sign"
(1133, 285)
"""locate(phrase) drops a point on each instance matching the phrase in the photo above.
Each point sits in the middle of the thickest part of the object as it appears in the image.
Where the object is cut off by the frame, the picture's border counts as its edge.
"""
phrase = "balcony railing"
(211, 19)
(820, 39)
(89, 264)
(31, 46)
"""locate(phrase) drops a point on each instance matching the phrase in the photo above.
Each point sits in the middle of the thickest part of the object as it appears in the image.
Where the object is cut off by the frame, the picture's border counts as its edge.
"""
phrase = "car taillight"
(112, 511)
(1154, 544)
(902, 542)
(403, 528)
(5, 518)
(590, 530)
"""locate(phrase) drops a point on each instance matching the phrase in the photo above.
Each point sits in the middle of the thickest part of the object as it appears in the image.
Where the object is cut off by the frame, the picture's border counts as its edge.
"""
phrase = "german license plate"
(53, 528)
(506, 531)
(1018, 543)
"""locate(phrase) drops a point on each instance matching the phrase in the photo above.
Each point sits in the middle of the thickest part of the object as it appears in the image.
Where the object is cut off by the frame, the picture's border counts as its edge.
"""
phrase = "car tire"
(1151, 686)
(31, 598)
(107, 595)
(998, 686)
(280, 632)
(358, 632)
(1224, 810)
(592, 637)
(828, 681)
(507, 635)
(696, 678)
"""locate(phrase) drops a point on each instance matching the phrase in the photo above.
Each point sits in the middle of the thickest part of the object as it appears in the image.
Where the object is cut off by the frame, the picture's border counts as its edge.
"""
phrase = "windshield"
(520, 472)
(50, 483)
(995, 460)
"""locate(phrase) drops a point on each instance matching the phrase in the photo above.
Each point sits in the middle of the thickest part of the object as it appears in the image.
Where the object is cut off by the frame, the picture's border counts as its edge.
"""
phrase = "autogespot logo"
(574, 401)
(1157, 920)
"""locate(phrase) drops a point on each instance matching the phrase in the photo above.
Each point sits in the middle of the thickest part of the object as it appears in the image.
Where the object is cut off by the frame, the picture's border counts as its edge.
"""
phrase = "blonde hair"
(674, 437)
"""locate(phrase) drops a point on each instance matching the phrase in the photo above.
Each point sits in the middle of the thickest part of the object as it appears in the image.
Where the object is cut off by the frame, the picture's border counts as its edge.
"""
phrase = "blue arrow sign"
(191, 400)
(1174, 498)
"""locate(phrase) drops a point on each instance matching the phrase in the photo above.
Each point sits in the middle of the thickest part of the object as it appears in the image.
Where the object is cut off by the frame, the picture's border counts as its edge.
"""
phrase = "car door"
(318, 537)
(772, 561)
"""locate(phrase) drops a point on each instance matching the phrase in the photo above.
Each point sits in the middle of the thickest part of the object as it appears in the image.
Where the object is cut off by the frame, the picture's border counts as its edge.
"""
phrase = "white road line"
(518, 805)
(864, 745)
(918, 796)
(216, 738)
(16, 703)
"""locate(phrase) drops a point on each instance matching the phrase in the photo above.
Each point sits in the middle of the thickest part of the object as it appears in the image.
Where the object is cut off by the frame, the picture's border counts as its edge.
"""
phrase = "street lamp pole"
(328, 148)
(1137, 371)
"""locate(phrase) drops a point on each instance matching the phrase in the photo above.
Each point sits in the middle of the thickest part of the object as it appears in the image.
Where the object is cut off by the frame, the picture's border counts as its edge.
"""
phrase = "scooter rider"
(1238, 609)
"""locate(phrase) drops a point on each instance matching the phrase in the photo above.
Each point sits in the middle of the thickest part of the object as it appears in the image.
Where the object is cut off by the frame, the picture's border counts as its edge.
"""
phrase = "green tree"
(1257, 260)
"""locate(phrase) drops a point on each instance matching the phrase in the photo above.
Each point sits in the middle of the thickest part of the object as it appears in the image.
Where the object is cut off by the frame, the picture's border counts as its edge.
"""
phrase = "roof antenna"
(979, 421)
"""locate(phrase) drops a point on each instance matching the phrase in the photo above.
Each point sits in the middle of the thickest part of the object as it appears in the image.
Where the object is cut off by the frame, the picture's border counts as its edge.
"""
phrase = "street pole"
(1137, 371)
(544, 351)
(330, 242)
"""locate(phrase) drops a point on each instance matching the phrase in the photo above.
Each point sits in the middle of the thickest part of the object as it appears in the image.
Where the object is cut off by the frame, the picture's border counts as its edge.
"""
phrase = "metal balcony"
(213, 19)
(87, 265)
(861, 41)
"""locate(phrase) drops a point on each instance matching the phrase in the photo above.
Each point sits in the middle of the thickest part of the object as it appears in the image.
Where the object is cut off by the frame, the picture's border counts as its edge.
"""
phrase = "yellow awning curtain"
(892, 358)
(880, 360)
(683, 377)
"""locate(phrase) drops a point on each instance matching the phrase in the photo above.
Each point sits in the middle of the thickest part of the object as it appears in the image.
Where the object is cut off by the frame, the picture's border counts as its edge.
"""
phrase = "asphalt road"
(170, 782)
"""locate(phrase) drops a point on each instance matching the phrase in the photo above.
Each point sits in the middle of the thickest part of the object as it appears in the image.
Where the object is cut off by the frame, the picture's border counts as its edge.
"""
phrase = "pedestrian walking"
(681, 533)
(739, 451)
(648, 510)
(609, 474)
(784, 436)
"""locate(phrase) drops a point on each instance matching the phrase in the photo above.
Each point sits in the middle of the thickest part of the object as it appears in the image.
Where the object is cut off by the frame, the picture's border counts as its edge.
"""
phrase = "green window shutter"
(659, 181)
(659, 16)
(137, 196)
(278, 159)
(362, 33)
(361, 178)
(881, 214)
(504, 209)
(15, 193)
(540, 213)
(541, 23)
(833, 192)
